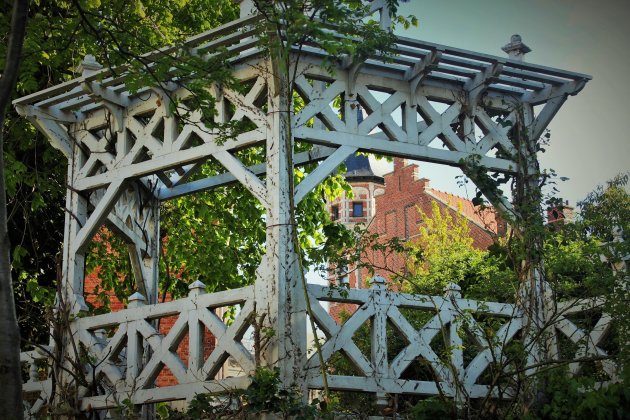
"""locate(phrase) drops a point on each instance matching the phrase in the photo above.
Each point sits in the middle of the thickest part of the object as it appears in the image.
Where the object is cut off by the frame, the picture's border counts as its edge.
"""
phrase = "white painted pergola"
(127, 152)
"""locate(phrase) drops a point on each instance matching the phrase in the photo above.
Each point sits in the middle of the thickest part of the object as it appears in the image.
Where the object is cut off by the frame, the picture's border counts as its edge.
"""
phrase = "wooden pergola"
(128, 151)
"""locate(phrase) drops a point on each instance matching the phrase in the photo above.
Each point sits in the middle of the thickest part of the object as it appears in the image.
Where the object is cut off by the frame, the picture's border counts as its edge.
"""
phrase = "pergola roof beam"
(455, 71)
(67, 87)
(106, 94)
(50, 114)
(533, 76)
(77, 97)
(424, 65)
(462, 62)
(317, 153)
(447, 70)
(459, 64)
(373, 144)
(520, 83)
(488, 59)
(205, 37)
(56, 134)
(228, 40)
(569, 88)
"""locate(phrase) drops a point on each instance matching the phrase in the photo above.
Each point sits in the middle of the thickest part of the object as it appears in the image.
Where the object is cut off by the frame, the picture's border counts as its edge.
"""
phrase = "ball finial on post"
(516, 49)
(88, 66)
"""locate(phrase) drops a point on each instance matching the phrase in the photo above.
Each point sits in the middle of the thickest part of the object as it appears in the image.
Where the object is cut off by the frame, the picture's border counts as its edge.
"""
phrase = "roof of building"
(486, 218)
(361, 168)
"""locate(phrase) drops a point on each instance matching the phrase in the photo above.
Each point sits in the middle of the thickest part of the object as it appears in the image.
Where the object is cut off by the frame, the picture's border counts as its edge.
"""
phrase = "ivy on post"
(288, 28)
(530, 225)
(279, 303)
(379, 333)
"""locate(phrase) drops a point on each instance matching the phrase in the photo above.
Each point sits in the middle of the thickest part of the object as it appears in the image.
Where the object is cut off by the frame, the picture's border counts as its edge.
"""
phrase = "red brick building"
(388, 203)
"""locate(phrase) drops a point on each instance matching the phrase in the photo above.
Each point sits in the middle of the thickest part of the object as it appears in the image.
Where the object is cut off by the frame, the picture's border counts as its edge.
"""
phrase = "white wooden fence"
(449, 318)
(457, 343)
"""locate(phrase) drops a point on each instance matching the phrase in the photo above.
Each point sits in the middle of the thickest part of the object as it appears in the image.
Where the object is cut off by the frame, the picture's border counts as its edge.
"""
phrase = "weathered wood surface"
(115, 344)
(127, 151)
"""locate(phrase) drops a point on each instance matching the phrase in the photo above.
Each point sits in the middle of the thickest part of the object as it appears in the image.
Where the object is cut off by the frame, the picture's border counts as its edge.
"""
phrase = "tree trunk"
(10, 371)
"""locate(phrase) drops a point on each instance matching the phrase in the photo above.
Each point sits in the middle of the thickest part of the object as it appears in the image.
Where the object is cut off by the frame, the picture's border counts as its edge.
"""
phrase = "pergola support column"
(279, 289)
(73, 273)
(535, 293)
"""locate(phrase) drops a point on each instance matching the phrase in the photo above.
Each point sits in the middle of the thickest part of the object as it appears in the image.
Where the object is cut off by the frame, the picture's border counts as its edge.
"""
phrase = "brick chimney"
(399, 163)
(560, 214)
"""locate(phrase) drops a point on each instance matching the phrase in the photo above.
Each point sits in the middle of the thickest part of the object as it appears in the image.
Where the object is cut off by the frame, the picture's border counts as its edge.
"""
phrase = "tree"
(583, 263)
(58, 38)
(61, 34)
(606, 220)
(129, 22)
(444, 253)
(583, 259)
(10, 375)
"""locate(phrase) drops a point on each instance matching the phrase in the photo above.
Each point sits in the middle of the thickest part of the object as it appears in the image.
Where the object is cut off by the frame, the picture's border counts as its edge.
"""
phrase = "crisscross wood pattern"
(588, 341)
(426, 122)
(129, 149)
(150, 137)
(127, 352)
(116, 345)
(382, 373)
(439, 342)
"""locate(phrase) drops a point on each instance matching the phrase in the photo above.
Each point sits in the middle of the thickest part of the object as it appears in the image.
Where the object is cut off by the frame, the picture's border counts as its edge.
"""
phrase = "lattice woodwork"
(130, 150)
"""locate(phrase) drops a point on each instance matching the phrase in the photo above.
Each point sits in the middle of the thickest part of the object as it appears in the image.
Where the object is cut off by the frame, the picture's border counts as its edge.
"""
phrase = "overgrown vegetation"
(582, 260)
(265, 395)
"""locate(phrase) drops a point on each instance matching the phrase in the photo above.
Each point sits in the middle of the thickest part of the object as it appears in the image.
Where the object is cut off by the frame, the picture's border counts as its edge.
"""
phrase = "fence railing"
(581, 328)
(384, 342)
(402, 330)
(37, 389)
(123, 353)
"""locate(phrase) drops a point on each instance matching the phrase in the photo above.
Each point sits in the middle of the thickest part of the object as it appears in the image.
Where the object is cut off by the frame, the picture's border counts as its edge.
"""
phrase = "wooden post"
(455, 344)
(379, 337)
(279, 292)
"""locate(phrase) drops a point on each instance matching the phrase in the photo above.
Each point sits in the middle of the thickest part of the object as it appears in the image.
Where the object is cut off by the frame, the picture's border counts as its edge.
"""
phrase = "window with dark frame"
(409, 225)
(335, 213)
(357, 209)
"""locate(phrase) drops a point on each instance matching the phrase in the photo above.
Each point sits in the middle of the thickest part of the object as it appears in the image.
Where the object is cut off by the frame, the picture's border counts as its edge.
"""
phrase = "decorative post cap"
(196, 288)
(378, 282)
(136, 300)
(89, 66)
(516, 49)
(453, 289)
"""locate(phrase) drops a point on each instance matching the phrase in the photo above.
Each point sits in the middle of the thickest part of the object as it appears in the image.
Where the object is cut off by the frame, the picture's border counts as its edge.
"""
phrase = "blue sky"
(590, 142)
